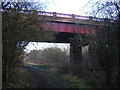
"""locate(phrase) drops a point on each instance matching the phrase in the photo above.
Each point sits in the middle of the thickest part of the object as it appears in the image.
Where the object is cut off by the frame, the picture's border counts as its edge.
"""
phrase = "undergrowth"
(73, 80)
(21, 79)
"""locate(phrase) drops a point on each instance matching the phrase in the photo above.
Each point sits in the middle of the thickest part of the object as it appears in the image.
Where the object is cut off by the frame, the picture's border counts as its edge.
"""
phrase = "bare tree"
(107, 44)
(21, 24)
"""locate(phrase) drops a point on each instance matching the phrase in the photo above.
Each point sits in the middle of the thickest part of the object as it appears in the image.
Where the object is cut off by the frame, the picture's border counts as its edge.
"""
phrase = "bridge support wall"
(75, 58)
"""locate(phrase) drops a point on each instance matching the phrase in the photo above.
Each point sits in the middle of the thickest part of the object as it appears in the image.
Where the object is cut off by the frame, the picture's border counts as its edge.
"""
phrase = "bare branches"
(105, 9)
(18, 30)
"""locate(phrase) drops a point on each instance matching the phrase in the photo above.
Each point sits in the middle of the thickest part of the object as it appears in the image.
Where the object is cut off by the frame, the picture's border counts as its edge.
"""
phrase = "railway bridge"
(67, 26)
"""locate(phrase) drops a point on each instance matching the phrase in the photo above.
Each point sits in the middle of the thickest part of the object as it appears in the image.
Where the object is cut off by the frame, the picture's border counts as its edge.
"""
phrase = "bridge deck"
(53, 16)
(60, 22)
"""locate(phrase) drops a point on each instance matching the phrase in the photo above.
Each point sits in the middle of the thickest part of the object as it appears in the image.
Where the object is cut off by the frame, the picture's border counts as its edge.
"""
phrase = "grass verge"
(73, 80)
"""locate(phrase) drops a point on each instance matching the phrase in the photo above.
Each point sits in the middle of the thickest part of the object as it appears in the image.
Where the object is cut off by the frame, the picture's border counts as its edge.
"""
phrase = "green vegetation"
(21, 79)
(23, 82)
(18, 30)
(75, 82)
(52, 55)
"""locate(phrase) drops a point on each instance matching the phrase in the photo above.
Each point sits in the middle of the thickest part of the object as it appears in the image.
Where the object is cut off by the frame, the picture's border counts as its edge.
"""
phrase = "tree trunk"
(118, 54)
(118, 45)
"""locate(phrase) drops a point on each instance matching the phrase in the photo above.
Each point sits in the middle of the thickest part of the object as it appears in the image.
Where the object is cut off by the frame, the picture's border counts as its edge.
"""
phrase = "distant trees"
(34, 54)
(50, 55)
(18, 29)
(55, 55)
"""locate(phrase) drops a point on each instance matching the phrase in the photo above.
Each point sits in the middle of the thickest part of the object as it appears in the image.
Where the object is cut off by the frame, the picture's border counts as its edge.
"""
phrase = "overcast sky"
(44, 45)
(65, 6)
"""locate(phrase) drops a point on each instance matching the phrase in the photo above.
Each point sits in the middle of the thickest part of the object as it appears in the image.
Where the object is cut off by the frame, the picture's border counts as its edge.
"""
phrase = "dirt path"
(43, 79)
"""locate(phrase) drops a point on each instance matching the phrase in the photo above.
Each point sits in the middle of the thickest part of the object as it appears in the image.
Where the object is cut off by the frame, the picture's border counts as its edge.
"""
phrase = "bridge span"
(66, 26)
(71, 23)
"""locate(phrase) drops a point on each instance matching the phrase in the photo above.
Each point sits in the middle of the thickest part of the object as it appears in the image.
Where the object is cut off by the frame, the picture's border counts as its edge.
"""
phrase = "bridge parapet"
(65, 15)
(54, 16)
(62, 15)
(73, 16)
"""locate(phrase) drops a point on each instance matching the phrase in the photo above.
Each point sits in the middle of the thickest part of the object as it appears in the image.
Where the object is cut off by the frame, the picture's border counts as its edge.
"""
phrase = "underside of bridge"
(75, 49)
(63, 37)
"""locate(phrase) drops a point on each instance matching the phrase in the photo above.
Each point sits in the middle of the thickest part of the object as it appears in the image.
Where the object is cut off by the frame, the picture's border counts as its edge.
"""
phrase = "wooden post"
(73, 17)
(90, 18)
(54, 15)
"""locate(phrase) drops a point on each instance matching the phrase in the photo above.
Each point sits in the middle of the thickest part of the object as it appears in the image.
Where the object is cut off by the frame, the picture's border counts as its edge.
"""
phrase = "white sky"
(65, 6)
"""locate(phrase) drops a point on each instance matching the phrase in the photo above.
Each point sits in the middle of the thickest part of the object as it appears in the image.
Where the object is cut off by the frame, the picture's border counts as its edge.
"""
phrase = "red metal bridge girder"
(72, 28)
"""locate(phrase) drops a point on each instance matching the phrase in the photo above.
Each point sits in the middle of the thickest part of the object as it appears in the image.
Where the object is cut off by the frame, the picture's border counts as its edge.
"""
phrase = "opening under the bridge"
(44, 52)
(50, 53)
